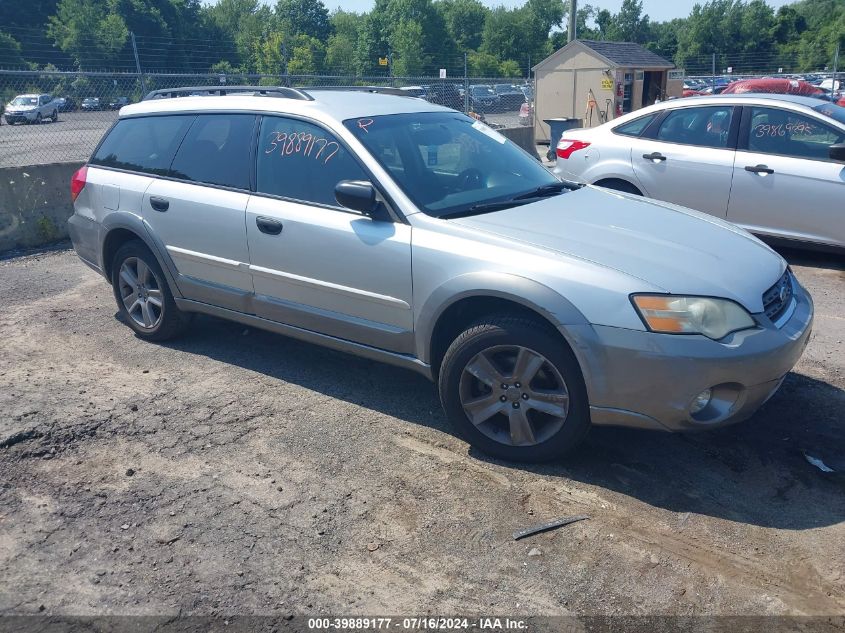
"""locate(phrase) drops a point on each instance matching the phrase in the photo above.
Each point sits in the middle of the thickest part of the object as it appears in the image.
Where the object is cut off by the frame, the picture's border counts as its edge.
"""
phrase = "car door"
(686, 157)
(199, 210)
(316, 265)
(785, 184)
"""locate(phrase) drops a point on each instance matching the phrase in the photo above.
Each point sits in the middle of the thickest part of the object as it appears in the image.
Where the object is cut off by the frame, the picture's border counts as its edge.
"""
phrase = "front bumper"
(648, 380)
(20, 117)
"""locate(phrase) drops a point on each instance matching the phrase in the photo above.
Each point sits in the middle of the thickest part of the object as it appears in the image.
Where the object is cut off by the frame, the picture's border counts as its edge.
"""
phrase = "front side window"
(704, 127)
(145, 144)
(216, 150)
(775, 131)
(302, 161)
(448, 163)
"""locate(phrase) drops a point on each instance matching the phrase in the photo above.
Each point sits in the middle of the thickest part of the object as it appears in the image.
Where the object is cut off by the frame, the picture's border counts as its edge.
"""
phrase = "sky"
(659, 10)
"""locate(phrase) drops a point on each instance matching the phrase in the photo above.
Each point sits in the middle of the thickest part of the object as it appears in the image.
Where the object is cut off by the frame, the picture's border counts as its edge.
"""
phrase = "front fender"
(526, 292)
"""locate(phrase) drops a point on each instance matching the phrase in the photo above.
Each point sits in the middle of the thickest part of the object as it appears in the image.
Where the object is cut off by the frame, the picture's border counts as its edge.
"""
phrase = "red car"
(779, 86)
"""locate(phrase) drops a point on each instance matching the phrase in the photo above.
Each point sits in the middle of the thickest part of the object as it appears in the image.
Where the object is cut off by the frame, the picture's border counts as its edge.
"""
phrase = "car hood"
(678, 250)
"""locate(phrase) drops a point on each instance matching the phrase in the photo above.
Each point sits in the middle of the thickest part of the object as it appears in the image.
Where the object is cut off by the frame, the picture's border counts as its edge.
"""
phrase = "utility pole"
(573, 16)
(835, 67)
(138, 66)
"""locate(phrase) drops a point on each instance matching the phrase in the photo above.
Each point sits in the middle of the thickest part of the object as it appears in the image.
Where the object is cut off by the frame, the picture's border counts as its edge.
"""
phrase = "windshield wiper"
(543, 191)
(547, 190)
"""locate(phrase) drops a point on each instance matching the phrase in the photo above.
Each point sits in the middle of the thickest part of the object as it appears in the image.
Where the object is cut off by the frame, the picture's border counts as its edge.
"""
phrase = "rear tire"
(513, 389)
(143, 295)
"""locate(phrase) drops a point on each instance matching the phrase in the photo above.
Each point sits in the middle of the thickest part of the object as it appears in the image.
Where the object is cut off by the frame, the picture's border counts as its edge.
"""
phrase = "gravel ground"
(235, 471)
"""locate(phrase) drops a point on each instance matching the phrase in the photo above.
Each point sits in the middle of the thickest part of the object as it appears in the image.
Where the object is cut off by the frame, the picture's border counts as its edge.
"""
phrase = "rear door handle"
(269, 225)
(759, 169)
(159, 204)
(654, 156)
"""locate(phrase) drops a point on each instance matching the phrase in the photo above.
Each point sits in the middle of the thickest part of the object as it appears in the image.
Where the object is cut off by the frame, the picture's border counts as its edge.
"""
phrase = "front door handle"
(269, 225)
(159, 204)
(654, 156)
(759, 169)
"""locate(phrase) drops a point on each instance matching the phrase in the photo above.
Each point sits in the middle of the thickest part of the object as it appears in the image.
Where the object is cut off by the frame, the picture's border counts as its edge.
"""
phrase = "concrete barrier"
(522, 136)
(35, 204)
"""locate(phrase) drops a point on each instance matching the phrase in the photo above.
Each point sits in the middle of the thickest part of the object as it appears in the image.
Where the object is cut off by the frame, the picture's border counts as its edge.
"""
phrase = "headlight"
(714, 318)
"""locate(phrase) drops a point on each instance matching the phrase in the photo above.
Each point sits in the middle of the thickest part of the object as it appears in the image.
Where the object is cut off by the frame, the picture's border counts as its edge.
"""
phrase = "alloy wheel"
(140, 291)
(514, 395)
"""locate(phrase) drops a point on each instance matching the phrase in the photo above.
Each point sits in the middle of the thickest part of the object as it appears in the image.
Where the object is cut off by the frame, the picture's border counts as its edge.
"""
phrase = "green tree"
(464, 21)
(482, 64)
(304, 17)
(89, 32)
(307, 56)
(409, 58)
(240, 25)
(340, 50)
(510, 68)
(10, 52)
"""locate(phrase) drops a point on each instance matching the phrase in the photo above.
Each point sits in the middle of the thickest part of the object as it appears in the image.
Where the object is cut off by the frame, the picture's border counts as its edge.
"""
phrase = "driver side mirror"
(837, 152)
(358, 195)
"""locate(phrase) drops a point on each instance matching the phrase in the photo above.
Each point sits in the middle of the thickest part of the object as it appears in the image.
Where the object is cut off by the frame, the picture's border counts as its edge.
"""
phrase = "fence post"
(466, 86)
(713, 71)
(138, 67)
(835, 68)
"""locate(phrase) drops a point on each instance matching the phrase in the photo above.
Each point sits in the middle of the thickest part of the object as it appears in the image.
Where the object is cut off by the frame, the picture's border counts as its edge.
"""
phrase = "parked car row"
(482, 98)
(772, 164)
(39, 107)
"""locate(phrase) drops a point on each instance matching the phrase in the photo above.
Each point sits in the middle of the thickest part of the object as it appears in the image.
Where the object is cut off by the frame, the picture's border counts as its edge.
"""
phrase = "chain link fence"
(84, 105)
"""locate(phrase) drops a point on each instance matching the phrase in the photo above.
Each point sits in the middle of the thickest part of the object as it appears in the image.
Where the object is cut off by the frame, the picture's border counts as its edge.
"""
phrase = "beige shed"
(598, 81)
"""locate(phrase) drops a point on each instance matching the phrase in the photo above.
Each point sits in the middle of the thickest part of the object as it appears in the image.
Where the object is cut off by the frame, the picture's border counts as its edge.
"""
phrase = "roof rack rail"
(386, 90)
(269, 91)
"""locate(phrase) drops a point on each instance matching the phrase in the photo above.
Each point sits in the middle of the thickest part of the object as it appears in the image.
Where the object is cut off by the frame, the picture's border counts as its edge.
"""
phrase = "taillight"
(77, 182)
(566, 147)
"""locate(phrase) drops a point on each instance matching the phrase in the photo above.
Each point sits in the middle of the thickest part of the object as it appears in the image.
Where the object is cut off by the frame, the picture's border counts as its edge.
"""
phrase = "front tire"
(513, 388)
(55, 116)
(143, 295)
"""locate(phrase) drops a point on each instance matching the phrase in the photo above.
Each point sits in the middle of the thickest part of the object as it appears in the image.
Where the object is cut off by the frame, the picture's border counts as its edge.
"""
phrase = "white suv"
(403, 231)
(32, 108)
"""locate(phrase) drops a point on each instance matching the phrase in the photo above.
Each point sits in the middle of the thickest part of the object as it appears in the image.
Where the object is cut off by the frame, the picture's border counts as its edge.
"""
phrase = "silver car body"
(384, 290)
(800, 199)
(45, 107)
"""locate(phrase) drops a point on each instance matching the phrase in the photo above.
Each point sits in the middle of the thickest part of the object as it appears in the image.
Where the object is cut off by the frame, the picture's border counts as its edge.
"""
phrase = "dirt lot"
(235, 471)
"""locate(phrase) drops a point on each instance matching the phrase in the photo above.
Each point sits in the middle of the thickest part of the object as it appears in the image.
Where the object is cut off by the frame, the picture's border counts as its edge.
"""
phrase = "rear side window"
(635, 127)
(302, 161)
(706, 126)
(216, 150)
(145, 144)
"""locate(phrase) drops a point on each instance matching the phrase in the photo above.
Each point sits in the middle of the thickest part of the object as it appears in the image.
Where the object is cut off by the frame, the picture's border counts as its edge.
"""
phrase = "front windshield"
(835, 112)
(25, 101)
(481, 90)
(448, 163)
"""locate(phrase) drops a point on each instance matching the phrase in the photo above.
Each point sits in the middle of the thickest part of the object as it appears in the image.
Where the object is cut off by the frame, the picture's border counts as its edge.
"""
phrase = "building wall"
(562, 92)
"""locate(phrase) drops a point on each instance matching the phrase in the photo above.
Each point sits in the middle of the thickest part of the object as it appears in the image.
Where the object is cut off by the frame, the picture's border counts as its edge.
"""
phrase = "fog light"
(700, 401)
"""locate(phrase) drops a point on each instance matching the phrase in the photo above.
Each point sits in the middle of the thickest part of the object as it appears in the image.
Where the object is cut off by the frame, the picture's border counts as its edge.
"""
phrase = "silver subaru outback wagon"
(405, 232)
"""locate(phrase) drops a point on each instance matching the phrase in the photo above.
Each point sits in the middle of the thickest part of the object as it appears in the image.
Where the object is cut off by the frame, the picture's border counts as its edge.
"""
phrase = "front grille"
(776, 299)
